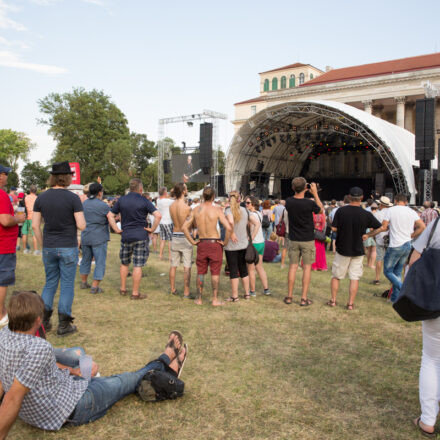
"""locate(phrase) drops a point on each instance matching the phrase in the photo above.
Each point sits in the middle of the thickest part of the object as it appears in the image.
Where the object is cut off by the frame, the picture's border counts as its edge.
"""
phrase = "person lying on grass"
(43, 395)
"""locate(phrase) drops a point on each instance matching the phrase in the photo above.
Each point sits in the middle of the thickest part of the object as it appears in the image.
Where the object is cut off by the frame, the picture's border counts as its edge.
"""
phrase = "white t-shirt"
(421, 242)
(259, 238)
(401, 226)
(380, 214)
(163, 206)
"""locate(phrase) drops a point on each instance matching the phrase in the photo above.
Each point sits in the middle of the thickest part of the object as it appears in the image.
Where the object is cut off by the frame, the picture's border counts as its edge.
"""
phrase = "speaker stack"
(206, 147)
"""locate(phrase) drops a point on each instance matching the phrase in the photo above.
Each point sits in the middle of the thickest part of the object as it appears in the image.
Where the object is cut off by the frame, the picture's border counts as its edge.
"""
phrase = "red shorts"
(209, 254)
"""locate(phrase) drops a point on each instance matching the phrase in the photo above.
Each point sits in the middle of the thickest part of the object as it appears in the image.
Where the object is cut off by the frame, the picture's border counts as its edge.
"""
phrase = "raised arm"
(11, 407)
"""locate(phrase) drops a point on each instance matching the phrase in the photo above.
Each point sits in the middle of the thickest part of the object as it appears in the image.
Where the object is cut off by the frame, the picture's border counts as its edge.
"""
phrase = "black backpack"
(265, 223)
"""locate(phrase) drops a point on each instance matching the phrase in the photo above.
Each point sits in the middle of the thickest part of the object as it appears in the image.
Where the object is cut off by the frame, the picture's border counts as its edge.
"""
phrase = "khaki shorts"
(181, 251)
(353, 265)
(302, 249)
(286, 243)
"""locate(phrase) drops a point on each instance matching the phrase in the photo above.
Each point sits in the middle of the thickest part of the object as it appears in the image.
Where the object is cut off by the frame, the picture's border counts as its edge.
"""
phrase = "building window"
(253, 110)
(292, 81)
(274, 83)
(301, 78)
(311, 76)
(283, 82)
(266, 85)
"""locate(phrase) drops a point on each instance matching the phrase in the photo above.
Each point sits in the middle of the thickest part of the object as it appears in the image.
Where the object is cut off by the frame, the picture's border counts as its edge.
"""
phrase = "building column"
(368, 106)
(378, 110)
(409, 116)
(400, 111)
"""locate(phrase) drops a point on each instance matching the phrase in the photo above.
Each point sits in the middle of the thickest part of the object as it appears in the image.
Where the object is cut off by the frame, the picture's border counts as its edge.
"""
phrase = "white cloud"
(5, 21)
(10, 59)
(94, 2)
(16, 43)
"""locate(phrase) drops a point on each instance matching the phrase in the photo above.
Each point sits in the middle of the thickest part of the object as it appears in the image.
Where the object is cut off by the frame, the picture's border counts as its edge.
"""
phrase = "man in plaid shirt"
(428, 214)
(48, 396)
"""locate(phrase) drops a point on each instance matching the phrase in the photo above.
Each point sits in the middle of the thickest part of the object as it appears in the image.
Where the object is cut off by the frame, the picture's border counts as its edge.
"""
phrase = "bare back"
(206, 217)
(179, 212)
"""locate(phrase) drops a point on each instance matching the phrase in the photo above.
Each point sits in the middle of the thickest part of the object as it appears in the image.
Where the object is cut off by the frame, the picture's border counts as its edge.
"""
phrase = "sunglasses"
(248, 203)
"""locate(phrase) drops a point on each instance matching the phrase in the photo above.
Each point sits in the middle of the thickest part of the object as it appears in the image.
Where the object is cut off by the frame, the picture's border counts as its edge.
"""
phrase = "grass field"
(257, 369)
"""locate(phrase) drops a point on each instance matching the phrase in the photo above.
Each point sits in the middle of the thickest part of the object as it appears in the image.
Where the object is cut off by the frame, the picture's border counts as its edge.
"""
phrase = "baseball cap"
(4, 169)
(356, 191)
(20, 195)
(94, 189)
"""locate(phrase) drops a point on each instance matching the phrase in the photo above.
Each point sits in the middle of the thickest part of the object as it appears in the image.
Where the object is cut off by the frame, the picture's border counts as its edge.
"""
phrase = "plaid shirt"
(53, 392)
(428, 215)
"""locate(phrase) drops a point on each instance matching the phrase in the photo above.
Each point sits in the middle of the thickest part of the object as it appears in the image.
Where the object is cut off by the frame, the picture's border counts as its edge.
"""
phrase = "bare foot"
(198, 301)
(178, 361)
(217, 303)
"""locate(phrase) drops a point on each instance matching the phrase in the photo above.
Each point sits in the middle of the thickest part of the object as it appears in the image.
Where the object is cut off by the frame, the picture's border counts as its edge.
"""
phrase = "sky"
(171, 58)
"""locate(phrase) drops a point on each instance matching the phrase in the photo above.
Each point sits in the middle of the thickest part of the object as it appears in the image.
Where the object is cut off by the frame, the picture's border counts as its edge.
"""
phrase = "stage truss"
(294, 119)
(164, 147)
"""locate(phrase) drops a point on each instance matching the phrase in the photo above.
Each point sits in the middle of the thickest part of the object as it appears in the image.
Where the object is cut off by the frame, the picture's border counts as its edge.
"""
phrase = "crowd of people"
(247, 231)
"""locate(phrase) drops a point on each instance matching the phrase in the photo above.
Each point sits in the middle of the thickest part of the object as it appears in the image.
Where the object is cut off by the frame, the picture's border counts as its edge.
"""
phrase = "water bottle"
(85, 366)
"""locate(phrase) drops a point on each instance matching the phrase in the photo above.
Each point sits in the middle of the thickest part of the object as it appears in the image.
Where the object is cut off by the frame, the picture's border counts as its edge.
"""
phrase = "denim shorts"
(138, 250)
(7, 269)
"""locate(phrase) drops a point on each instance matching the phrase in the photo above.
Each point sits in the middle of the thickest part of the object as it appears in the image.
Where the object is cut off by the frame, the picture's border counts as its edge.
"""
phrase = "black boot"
(64, 325)
(46, 320)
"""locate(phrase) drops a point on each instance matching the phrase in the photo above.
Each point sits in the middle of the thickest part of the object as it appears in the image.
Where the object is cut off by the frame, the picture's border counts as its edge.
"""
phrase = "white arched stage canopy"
(279, 140)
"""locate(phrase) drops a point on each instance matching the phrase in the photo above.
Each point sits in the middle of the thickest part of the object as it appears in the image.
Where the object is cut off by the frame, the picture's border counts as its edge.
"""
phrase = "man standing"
(181, 248)
(8, 241)
(301, 235)
(429, 214)
(134, 243)
(26, 229)
(95, 237)
(350, 223)
(384, 203)
(166, 224)
(209, 247)
(404, 225)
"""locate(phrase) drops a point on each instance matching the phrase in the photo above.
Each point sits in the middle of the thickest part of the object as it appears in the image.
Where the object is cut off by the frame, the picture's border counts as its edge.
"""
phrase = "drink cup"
(21, 209)
(85, 366)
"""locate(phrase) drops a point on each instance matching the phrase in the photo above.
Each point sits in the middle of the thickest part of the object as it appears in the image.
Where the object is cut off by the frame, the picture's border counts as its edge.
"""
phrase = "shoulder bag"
(251, 256)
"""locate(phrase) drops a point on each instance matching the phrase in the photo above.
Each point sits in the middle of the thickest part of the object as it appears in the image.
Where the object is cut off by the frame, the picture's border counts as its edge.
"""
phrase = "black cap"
(94, 189)
(61, 168)
(356, 191)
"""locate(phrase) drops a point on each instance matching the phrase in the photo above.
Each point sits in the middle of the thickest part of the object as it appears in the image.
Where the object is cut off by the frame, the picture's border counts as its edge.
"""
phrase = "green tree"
(144, 152)
(91, 130)
(14, 146)
(34, 173)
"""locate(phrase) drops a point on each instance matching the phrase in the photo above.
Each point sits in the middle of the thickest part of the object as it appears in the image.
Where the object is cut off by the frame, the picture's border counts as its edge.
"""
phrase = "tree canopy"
(14, 146)
(33, 173)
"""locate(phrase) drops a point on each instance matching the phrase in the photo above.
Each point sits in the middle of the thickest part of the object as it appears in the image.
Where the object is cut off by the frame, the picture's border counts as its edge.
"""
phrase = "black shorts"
(237, 264)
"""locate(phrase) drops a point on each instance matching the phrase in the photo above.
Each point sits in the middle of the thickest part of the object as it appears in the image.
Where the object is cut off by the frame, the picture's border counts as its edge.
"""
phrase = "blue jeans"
(394, 261)
(100, 253)
(60, 266)
(277, 259)
(68, 356)
(103, 392)
(266, 233)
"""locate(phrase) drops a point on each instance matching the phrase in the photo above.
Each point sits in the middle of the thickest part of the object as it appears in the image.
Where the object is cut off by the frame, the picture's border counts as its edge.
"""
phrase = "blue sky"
(161, 59)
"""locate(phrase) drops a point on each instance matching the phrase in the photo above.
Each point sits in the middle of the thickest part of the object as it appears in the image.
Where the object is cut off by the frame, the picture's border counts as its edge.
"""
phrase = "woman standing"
(236, 244)
(252, 204)
(320, 260)
(266, 219)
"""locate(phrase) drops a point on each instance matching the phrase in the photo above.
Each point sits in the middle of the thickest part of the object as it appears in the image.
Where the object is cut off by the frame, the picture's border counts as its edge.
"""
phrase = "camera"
(308, 186)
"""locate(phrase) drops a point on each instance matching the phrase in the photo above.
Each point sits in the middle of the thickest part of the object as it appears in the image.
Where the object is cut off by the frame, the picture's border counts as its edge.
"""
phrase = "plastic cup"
(85, 366)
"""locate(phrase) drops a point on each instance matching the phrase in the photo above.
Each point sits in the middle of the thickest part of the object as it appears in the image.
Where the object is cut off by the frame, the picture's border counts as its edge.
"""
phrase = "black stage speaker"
(166, 166)
(425, 138)
(245, 187)
(206, 146)
(220, 181)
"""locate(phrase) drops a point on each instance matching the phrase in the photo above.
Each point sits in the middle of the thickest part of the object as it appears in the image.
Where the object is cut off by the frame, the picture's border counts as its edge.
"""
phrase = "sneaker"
(37, 252)
(4, 321)
(95, 290)
(253, 294)
(26, 251)
(267, 292)
(85, 285)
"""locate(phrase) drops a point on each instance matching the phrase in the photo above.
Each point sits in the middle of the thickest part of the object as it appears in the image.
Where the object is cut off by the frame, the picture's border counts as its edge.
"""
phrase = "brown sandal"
(305, 302)
(122, 292)
(331, 303)
(140, 296)
(287, 300)
(349, 306)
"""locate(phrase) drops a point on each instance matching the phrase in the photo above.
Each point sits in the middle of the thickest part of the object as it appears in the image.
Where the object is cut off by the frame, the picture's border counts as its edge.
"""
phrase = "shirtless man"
(181, 248)
(209, 245)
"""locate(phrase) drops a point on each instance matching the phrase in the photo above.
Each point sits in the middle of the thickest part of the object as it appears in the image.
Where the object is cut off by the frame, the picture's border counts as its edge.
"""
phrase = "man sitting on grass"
(43, 395)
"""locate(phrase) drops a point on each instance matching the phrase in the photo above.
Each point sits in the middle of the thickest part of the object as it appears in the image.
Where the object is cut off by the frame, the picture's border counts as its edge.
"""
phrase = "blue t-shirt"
(134, 210)
(96, 232)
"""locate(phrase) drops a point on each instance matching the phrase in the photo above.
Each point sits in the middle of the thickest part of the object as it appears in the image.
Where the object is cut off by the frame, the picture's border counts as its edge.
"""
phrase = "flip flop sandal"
(182, 363)
(331, 303)
(422, 431)
(171, 344)
(305, 302)
(288, 300)
(349, 306)
(232, 299)
(122, 292)
(246, 296)
(140, 296)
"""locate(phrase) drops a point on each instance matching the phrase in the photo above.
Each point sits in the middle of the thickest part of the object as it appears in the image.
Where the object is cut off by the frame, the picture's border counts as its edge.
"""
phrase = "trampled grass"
(257, 369)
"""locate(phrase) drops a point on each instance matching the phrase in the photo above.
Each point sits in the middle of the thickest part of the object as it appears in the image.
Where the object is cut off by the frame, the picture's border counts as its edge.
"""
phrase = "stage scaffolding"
(164, 148)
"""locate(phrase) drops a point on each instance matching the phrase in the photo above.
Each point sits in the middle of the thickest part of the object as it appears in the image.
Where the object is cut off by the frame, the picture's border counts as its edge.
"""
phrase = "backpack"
(281, 226)
(265, 223)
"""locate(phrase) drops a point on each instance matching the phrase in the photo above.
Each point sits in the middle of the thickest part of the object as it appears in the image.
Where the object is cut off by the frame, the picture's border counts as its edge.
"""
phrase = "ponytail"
(234, 204)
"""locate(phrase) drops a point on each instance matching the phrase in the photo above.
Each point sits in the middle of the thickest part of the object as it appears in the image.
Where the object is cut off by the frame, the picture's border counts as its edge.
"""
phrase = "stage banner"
(76, 178)
(186, 168)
